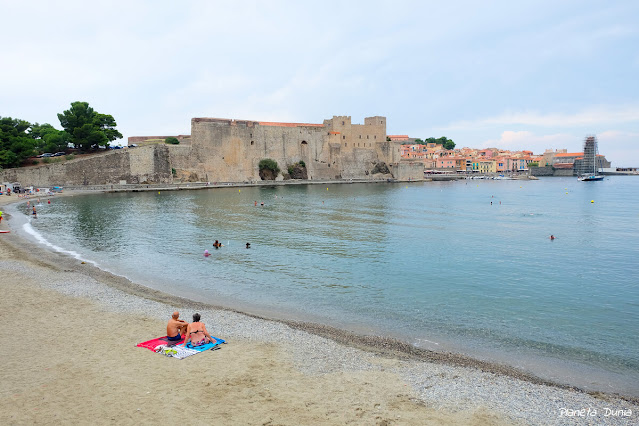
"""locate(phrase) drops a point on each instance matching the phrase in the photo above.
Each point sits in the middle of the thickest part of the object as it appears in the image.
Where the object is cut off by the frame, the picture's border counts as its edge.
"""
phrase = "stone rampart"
(550, 171)
(541, 171)
(145, 164)
(230, 150)
(406, 170)
(141, 139)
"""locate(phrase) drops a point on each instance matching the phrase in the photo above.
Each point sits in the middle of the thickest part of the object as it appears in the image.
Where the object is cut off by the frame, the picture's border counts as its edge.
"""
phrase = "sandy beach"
(72, 359)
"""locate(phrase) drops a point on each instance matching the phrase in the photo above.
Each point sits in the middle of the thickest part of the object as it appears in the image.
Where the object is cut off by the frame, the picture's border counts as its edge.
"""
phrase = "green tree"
(419, 141)
(443, 141)
(49, 139)
(87, 128)
(270, 164)
(172, 141)
(449, 144)
(16, 144)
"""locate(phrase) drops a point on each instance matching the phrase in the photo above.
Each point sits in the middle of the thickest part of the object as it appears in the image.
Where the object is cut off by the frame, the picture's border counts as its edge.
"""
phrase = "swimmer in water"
(217, 244)
(206, 253)
(552, 237)
(248, 245)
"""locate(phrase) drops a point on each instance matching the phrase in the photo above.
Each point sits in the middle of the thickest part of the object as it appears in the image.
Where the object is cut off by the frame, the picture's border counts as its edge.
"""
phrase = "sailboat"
(588, 169)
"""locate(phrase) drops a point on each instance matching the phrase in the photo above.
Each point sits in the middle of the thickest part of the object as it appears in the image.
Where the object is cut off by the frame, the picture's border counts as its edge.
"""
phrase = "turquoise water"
(432, 263)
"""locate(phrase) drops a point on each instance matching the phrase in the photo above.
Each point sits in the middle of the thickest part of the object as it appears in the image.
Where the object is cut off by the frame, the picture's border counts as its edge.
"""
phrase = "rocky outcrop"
(298, 172)
(380, 167)
(268, 174)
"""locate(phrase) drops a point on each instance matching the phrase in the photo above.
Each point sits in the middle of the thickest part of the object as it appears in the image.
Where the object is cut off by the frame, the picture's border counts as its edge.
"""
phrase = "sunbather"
(176, 327)
(196, 333)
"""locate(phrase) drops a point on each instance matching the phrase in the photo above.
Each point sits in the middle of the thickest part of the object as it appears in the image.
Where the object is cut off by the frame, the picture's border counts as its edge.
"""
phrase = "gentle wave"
(42, 240)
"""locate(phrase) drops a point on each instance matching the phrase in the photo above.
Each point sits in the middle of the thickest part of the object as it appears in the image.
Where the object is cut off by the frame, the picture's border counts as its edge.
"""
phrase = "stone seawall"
(541, 171)
(550, 171)
(139, 165)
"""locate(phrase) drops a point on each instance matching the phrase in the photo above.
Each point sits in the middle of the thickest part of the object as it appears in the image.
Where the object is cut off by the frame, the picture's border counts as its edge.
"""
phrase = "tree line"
(83, 128)
(444, 141)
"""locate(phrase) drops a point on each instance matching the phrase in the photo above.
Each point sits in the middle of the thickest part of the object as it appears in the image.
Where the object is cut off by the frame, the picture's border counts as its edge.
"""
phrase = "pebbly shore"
(448, 382)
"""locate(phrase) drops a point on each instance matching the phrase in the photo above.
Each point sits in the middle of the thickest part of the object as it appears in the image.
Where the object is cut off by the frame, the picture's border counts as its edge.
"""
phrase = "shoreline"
(451, 366)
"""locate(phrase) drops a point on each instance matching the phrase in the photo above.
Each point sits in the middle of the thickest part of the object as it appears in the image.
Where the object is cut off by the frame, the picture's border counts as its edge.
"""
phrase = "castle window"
(358, 144)
(343, 123)
(375, 137)
(345, 144)
(304, 143)
(344, 137)
(360, 136)
(367, 137)
(251, 135)
(252, 142)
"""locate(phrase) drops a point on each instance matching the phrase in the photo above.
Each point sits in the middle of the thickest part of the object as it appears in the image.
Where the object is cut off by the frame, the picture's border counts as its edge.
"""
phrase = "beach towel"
(171, 349)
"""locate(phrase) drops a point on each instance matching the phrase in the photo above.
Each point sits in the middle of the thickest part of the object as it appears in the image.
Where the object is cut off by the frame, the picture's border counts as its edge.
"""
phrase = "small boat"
(590, 178)
(588, 170)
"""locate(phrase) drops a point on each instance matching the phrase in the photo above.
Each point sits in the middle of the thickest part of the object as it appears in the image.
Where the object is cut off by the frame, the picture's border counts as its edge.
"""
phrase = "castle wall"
(223, 150)
(409, 171)
(144, 164)
(230, 150)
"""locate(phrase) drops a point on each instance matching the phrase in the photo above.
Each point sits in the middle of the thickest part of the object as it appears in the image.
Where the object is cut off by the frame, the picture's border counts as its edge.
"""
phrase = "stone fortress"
(230, 150)
(227, 150)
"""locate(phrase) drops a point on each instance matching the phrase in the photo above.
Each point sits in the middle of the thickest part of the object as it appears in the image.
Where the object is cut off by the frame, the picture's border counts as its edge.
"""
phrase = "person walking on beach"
(176, 327)
(196, 332)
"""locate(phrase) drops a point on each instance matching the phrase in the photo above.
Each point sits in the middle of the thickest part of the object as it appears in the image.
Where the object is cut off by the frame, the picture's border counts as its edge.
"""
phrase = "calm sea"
(463, 266)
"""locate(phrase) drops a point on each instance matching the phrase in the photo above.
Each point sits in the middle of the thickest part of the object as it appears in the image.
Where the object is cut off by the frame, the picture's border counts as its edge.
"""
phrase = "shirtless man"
(176, 327)
(196, 333)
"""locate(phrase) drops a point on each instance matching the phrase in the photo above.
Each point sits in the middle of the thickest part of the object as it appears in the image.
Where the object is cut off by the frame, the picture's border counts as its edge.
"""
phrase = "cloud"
(601, 115)
(621, 148)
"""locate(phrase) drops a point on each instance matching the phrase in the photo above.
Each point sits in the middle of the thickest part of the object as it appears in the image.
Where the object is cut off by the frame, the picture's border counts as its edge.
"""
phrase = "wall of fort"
(550, 171)
(408, 170)
(225, 150)
(145, 164)
(142, 139)
(230, 150)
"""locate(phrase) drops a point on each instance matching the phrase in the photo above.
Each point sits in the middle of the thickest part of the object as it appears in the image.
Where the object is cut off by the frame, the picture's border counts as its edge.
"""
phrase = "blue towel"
(207, 346)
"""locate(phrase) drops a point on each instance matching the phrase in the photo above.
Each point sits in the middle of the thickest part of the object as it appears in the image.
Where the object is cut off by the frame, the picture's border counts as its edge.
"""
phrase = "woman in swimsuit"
(196, 332)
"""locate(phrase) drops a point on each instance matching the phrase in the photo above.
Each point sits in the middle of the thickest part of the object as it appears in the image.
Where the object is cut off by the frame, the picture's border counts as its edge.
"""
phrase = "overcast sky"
(509, 74)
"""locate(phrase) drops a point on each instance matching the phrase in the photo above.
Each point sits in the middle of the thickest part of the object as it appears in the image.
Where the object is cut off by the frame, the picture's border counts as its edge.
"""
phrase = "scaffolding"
(589, 161)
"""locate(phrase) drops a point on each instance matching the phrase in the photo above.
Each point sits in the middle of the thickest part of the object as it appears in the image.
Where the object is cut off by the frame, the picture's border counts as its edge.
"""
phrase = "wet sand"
(86, 367)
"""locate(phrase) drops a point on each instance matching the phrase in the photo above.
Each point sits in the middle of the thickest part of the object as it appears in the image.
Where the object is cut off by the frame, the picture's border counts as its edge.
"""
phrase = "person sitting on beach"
(196, 333)
(176, 327)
